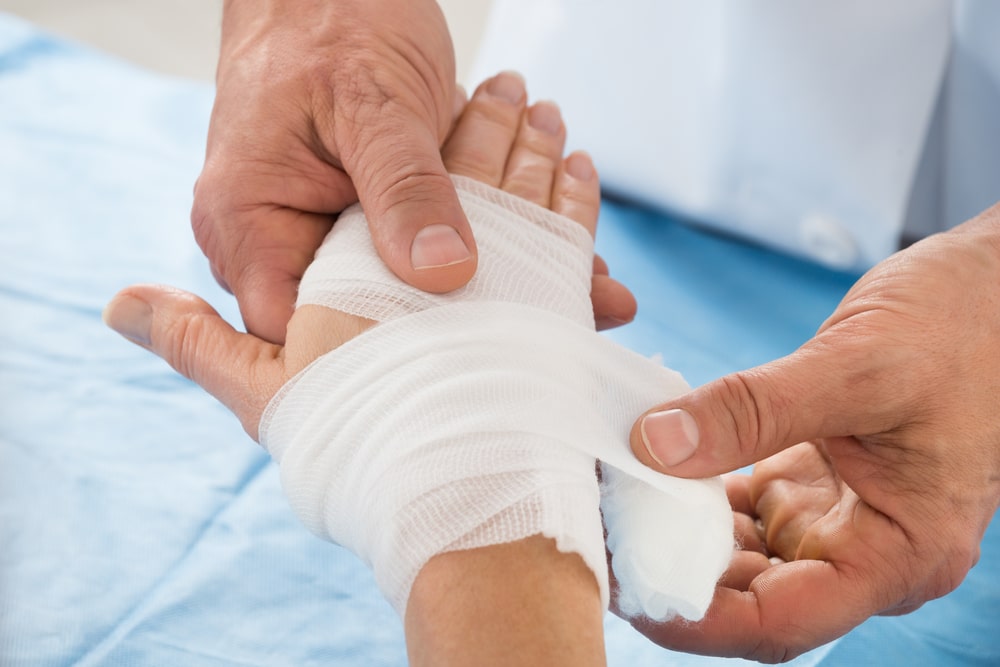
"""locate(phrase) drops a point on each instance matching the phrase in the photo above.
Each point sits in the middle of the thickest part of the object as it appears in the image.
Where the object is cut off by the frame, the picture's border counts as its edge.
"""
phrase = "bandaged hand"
(468, 419)
(884, 505)
(318, 105)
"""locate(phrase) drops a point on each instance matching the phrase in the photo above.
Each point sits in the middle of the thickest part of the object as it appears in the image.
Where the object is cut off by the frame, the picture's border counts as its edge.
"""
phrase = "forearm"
(520, 603)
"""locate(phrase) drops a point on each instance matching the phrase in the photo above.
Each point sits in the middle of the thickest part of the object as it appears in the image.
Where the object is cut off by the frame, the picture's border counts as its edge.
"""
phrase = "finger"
(482, 140)
(220, 279)
(536, 155)
(614, 304)
(459, 101)
(416, 220)
(576, 194)
(792, 491)
(240, 370)
(786, 610)
(263, 262)
(818, 391)
(747, 532)
(738, 493)
(600, 266)
(747, 526)
(266, 296)
(743, 569)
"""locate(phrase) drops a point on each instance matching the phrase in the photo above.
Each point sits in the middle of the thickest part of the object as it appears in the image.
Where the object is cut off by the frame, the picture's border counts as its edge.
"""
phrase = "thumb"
(747, 416)
(416, 220)
(238, 369)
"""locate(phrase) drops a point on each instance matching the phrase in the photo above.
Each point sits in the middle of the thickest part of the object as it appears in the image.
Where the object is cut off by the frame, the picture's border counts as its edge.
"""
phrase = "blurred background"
(181, 37)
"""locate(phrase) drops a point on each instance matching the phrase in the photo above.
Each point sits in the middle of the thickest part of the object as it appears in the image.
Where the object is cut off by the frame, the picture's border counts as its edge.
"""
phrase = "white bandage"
(475, 418)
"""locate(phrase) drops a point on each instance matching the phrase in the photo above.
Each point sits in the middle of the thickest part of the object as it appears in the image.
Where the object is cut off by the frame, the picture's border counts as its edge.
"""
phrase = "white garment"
(475, 418)
(825, 128)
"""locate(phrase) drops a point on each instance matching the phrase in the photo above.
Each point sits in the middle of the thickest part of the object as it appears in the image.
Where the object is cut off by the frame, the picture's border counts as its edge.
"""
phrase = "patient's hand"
(523, 602)
(320, 104)
(496, 141)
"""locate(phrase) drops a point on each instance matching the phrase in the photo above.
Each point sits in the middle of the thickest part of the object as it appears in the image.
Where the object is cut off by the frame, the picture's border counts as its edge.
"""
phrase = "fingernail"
(580, 166)
(545, 116)
(508, 86)
(435, 246)
(670, 437)
(130, 317)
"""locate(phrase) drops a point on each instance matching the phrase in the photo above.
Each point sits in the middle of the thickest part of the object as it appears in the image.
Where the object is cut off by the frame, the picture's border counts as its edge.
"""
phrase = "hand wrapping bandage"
(475, 418)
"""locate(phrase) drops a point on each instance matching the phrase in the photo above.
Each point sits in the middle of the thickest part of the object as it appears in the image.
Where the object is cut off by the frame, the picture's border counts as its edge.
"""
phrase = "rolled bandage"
(475, 418)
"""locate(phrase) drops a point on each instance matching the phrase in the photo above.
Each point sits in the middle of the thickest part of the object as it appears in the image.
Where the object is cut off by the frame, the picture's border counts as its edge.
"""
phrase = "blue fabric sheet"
(140, 526)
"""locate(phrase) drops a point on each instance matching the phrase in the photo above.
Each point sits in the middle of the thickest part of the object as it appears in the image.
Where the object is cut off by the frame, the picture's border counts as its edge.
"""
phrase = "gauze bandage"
(475, 418)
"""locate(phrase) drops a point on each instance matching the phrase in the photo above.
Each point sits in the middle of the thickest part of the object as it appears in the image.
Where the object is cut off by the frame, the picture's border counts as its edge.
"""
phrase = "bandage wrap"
(475, 418)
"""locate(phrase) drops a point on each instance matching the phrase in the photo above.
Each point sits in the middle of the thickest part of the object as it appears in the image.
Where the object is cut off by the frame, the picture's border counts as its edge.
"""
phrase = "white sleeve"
(798, 124)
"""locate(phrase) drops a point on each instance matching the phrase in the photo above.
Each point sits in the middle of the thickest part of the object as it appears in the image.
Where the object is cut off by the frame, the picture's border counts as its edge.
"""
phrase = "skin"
(320, 104)
(879, 444)
(522, 603)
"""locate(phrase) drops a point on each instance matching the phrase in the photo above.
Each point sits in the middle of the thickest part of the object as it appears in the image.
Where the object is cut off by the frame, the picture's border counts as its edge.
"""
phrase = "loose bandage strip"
(475, 418)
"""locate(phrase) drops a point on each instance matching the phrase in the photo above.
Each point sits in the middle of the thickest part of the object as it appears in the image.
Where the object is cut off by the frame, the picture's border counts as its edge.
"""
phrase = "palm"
(885, 504)
(809, 512)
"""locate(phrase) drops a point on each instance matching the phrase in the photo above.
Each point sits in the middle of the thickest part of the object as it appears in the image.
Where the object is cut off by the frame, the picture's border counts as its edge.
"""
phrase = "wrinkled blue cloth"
(139, 525)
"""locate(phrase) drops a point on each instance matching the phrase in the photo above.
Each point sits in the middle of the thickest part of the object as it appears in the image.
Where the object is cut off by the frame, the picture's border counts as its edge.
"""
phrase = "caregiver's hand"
(885, 507)
(320, 104)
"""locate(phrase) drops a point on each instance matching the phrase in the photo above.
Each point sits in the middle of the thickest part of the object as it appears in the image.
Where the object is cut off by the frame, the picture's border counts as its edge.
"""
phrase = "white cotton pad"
(475, 418)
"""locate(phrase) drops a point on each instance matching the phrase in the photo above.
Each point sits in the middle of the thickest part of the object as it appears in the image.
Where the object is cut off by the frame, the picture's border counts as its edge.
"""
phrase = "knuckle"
(785, 643)
(963, 556)
(374, 106)
(215, 200)
(185, 338)
(581, 197)
(545, 146)
(354, 85)
(474, 161)
(201, 221)
(528, 186)
(406, 185)
(771, 651)
(743, 409)
(496, 117)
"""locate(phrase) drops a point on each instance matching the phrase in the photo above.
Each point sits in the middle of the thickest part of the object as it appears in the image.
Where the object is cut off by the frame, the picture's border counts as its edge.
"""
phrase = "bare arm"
(523, 603)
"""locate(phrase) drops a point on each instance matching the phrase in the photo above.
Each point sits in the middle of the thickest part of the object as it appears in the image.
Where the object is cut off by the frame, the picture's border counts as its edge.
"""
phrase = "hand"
(887, 504)
(319, 104)
(497, 140)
